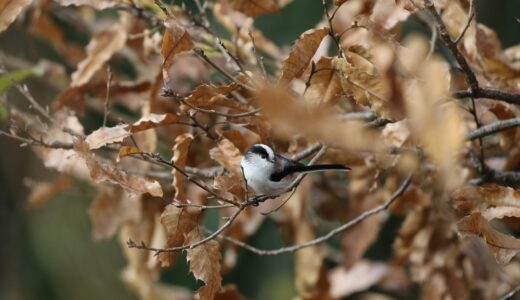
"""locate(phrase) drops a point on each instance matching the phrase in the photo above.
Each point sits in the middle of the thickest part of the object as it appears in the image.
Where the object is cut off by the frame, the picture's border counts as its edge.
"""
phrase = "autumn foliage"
(431, 137)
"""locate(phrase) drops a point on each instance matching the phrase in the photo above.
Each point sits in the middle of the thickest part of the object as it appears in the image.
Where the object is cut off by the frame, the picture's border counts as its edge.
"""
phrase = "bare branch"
(511, 294)
(471, 79)
(398, 193)
(493, 128)
(489, 93)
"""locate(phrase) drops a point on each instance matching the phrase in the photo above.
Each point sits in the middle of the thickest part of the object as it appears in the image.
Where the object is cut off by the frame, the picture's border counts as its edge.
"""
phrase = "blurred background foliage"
(48, 252)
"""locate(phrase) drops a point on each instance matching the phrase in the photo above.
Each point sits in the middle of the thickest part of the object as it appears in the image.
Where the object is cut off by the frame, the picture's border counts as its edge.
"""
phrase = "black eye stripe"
(259, 150)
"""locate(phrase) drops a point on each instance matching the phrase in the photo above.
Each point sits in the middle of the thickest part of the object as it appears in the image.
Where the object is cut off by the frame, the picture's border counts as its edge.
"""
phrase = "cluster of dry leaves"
(387, 106)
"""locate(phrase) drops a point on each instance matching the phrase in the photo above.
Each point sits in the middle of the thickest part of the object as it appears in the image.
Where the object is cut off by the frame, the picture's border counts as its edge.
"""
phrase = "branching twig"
(468, 22)
(37, 142)
(400, 191)
(203, 55)
(240, 208)
(25, 92)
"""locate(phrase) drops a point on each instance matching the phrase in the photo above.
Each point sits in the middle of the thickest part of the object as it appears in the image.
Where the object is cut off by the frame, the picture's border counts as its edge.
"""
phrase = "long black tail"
(323, 167)
(300, 168)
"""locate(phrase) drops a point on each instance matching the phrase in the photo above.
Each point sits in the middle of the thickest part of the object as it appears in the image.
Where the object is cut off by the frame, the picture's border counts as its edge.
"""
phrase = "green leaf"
(18, 75)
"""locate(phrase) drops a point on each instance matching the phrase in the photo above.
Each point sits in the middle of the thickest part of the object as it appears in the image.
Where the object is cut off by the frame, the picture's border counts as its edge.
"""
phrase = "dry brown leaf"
(178, 222)
(97, 4)
(504, 246)
(228, 155)
(9, 10)
(111, 208)
(289, 117)
(153, 121)
(104, 173)
(436, 120)
(101, 48)
(301, 54)
(254, 8)
(388, 14)
(180, 157)
(359, 80)
(364, 274)
(206, 95)
(107, 135)
(231, 20)
(44, 191)
(176, 39)
(205, 264)
(309, 261)
(325, 85)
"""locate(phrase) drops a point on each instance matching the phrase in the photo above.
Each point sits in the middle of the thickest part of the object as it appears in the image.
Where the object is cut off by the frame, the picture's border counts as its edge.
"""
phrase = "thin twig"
(25, 92)
(259, 59)
(240, 208)
(471, 79)
(468, 22)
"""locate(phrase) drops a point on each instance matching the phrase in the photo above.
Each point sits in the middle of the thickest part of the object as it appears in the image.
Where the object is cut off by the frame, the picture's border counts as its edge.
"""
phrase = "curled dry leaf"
(228, 155)
(254, 8)
(325, 85)
(205, 264)
(100, 49)
(104, 173)
(503, 246)
(309, 261)
(176, 39)
(435, 120)
(231, 20)
(206, 95)
(107, 135)
(153, 121)
(180, 156)
(9, 10)
(301, 54)
(364, 274)
(360, 81)
(178, 222)
(289, 117)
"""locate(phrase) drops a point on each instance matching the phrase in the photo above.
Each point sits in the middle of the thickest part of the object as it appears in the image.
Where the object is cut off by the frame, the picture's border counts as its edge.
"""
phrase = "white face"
(258, 162)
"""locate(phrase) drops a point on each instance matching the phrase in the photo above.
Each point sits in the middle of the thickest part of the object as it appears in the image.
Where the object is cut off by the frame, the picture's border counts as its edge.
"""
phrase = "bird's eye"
(263, 156)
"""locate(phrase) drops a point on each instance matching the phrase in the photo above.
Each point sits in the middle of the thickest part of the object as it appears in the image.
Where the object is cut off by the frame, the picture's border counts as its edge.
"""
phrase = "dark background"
(48, 252)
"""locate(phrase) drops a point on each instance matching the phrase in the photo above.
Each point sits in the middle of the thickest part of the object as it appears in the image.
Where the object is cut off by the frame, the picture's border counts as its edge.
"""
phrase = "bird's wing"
(284, 167)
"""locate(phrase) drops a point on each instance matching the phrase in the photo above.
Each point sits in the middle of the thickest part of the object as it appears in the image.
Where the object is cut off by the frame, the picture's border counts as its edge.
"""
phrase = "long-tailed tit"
(269, 173)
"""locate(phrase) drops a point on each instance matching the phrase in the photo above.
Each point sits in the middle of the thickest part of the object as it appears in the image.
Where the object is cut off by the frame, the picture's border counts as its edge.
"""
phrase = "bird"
(271, 174)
